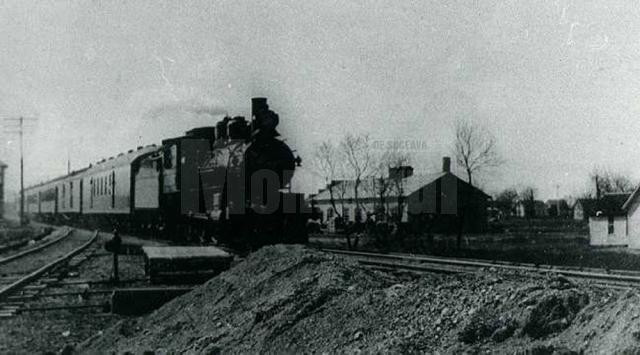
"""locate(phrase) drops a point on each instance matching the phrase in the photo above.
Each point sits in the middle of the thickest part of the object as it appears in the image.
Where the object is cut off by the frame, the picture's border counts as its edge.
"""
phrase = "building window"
(610, 225)
(345, 213)
(330, 212)
(71, 194)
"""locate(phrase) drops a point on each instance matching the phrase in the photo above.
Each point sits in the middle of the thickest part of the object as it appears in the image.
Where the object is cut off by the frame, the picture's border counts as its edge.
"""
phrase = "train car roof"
(56, 179)
(105, 164)
(122, 159)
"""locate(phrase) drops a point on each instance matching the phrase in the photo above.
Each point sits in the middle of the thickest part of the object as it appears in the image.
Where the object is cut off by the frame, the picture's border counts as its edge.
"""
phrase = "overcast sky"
(556, 81)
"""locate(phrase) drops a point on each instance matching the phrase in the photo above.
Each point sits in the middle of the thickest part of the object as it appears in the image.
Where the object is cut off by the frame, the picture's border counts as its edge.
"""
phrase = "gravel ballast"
(293, 299)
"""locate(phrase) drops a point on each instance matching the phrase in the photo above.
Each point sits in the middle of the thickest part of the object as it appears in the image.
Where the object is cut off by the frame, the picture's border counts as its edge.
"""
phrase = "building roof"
(634, 196)
(561, 201)
(344, 189)
(410, 185)
(612, 204)
(588, 205)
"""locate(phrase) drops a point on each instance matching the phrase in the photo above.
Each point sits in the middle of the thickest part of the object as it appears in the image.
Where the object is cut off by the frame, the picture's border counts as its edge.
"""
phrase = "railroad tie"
(6, 313)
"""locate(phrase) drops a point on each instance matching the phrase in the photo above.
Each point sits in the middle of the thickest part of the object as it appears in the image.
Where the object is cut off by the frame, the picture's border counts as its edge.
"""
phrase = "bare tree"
(331, 168)
(606, 181)
(528, 200)
(345, 167)
(397, 159)
(353, 169)
(475, 149)
(386, 186)
(359, 161)
(506, 201)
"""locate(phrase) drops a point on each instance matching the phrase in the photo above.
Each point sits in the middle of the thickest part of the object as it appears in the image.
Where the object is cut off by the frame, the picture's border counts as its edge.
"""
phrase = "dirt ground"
(291, 299)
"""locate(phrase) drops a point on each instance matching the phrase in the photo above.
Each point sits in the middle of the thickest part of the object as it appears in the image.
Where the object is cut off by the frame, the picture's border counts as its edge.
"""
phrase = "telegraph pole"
(558, 200)
(20, 130)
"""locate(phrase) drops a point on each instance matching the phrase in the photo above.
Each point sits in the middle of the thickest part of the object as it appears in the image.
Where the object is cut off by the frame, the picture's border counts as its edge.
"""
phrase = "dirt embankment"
(292, 299)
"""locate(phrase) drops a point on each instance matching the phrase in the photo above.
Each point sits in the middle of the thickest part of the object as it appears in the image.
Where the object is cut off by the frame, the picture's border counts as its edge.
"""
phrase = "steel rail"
(453, 265)
(7, 290)
(36, 249)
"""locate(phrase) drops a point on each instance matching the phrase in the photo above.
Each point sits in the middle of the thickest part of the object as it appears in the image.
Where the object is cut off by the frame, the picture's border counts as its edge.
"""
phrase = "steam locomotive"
(228, 183)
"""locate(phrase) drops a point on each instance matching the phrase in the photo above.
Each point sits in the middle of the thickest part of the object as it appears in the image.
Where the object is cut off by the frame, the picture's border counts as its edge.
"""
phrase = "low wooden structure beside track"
(184, 263)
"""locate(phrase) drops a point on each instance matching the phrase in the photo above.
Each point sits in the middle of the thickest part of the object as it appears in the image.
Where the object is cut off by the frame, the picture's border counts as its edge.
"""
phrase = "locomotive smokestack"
(264, 121)
(258, 104)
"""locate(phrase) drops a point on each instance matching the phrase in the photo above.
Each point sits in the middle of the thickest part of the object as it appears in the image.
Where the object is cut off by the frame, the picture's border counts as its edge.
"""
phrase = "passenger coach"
(105, 194)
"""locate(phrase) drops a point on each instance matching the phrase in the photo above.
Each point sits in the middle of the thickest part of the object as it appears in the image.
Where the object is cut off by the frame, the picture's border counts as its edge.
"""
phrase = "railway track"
(26, 275)
(21, 244)
(57, 236)
(433, 264)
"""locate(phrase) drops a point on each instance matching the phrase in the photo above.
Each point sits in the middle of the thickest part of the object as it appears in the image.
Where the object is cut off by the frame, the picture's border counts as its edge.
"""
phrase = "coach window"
(216, 201)
(610, 225)
(113, 189)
